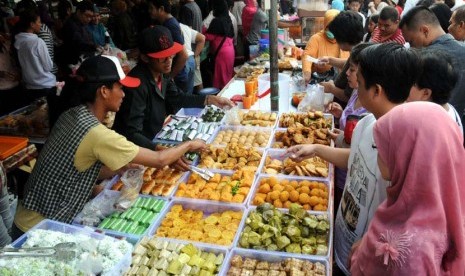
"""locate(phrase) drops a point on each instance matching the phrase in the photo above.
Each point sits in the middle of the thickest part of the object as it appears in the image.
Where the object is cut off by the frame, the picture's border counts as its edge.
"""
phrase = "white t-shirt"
(455, 116)
(364, 191)
(189, 35)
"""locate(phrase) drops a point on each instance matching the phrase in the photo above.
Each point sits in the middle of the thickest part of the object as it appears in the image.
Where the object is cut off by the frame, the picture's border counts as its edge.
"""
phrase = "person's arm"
(181, 59)
(336, 91)
(44, 56)
(160, 159)
(339, 157)
(334, 61)
(310, 50)
(199, 44)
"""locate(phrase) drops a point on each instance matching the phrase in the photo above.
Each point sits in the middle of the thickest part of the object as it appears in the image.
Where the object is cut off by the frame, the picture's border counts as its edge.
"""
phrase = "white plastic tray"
(241, 128)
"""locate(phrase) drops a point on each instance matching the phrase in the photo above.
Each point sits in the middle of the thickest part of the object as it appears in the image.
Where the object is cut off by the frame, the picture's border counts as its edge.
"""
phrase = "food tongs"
(65, 251)
(205, 174)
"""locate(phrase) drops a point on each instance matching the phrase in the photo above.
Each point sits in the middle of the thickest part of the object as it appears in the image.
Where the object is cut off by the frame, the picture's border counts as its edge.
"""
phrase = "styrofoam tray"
(286, 254)
(132, 238)
(207, 208)
(256, 186)
(268, 256)
(279, 154)
(185, 178)
(241, 128)
(47, 224)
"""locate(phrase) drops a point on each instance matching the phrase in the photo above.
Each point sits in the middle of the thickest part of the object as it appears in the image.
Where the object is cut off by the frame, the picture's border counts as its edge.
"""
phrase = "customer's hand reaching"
(220, 101)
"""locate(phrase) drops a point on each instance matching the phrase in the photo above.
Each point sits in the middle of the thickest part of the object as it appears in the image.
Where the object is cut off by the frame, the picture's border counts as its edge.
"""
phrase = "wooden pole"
(273, 27)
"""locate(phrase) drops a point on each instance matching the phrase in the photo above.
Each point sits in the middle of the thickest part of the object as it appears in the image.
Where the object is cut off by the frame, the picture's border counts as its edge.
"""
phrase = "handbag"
(207, 66)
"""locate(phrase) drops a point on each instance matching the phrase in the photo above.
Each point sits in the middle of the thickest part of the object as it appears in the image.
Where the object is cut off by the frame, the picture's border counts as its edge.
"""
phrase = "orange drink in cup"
(247, 101)
(249, 88)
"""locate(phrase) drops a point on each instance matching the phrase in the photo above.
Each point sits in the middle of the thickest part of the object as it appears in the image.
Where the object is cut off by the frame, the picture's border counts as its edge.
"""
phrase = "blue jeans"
(6, 218)
(185, 79)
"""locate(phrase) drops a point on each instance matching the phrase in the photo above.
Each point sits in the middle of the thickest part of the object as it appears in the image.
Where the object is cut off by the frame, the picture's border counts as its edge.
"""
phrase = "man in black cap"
(80, 149)
(144, 109)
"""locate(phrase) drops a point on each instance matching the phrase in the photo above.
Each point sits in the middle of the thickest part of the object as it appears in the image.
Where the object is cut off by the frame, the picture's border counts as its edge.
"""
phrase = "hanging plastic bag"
(132, 182)
(314, 100)
(232, 116)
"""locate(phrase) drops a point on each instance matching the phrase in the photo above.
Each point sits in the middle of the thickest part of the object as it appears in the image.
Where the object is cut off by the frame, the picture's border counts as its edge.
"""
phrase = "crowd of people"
(398, 74)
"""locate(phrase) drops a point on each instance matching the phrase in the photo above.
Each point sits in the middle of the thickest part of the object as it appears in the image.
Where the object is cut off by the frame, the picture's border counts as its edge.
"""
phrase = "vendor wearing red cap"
(144, 109)
(80, 149)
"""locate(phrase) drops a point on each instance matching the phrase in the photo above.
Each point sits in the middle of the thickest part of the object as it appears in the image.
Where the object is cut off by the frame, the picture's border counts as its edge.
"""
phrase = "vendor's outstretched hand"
(197, 145)
(220, 101)
(182, 164)
(301, 152)
(328, 85)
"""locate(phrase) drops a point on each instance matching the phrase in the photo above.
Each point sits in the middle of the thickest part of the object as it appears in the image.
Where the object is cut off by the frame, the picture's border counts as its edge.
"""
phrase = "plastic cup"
(247, 101)
(249, 88)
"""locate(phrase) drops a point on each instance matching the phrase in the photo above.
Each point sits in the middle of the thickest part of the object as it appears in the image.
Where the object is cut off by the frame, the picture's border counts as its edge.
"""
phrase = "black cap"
(157, 42)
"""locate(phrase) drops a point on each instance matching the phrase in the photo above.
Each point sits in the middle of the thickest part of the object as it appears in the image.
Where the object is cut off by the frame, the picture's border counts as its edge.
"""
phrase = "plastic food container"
(268, 256)
(11, 145)
(215, 147)
(274, 141)
(207, 208)
(242, 129)
(47, 224)
(264, 84)
(256, 187)
(327, 116)
(196, 112)
(279, 154)
(286, 254)
(204, 247)
(132, 238)
(202, 201)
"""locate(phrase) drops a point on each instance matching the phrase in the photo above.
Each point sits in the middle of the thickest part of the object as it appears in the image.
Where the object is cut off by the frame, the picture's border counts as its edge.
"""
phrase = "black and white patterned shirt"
(56, 189)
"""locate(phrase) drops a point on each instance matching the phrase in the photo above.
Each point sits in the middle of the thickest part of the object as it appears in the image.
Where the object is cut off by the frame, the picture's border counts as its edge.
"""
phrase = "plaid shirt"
(2, 176)
(55, 188)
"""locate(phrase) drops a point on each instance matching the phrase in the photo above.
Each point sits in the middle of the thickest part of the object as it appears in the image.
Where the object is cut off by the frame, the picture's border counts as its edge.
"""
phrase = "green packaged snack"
(146, 204)
(133, 227)
(147, 217)
(153, 203)
(104, 223)
(140, 215)
(133, 215)
(140, 230)
(138, 202)
(159, 206)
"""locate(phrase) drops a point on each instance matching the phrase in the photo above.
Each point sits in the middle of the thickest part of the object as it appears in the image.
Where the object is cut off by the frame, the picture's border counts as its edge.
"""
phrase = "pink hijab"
(420, 228)
(248, 13)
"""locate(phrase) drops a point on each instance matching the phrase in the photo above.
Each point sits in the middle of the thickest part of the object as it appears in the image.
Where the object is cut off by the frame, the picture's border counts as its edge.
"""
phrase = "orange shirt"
(318, 46)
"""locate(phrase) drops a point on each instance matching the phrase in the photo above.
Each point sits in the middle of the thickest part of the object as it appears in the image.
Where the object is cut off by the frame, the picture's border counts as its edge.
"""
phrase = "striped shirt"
(397, 37)
(46, 35)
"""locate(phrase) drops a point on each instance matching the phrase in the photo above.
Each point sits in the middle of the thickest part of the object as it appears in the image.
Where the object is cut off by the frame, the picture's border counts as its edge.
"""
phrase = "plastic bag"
(132, 182)
(232, 116)
(314, 100)
(97, 209)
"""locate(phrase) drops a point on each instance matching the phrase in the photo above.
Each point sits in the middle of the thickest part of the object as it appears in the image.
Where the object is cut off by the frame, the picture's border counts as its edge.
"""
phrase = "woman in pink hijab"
(419, 229)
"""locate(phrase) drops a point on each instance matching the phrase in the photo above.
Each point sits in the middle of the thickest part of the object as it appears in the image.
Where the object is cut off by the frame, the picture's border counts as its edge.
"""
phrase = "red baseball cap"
(157, 42)
(104, 68)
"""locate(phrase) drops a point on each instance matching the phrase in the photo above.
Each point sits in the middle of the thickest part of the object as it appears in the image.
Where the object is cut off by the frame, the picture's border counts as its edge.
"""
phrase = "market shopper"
(192, 37)
(365, 188)
(144, 109)
(347, 29)
(322, 44)
(457, 24)
(387, 29)
(419, 229)
(435, 82)
(421, 29)
(80, 149)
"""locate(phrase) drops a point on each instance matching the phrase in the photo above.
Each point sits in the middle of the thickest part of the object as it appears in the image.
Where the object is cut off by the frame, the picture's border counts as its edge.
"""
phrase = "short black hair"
(85, 6)
(417, 16)
(347, 27)
(460, 14)
(389, 13)
(355, 53)
(166, 4)
(374, 18)
(392, 66)
(360, 1)
(87, 91)
(425, 3)
(443, 13)
(26, 17)
(437, 73)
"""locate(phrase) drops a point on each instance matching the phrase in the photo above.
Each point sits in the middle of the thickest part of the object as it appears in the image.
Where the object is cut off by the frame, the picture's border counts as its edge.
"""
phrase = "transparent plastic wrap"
(132, 182)
(232, 116)
(96, 210)
(314, 100)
